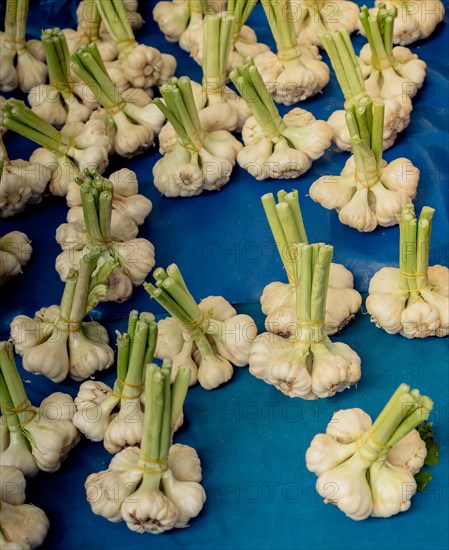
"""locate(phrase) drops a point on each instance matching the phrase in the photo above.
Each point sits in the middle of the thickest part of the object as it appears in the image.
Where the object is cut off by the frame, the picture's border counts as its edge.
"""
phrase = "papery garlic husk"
(413, 22)
(188, 497)
(397, 118)
(402, 78)
(24, 527)
(12, 485)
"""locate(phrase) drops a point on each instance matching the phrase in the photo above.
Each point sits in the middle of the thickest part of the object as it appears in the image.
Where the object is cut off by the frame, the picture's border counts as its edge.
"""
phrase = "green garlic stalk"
(275, 146)
(219, 343)
(307, 364)
(369, 192)
(412, 300)
(67, 154)
(350, 77)
(22, 62)
(39, 437)
(57, 342)
(389, 72)
(295, 72)
(278, 299)
(201, 160)
(96, 401)
(133, 258)
(59, 102)
(372, 465)
(132, 128)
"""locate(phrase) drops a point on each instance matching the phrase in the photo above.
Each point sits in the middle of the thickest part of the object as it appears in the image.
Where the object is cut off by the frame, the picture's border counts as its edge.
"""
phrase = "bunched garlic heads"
(158, 488)
(389, 72)
(60, 101)
(306, 364)
(244, 40)
(15, 253)
(414, 298)
(313, 17)
(201, 160)
(21, 183)
(57, 342)
(368, 469)
(133, 257)
(278, 299)
(211, 332)
(23, 525)
(369, 191)
(349, 75)
(414, 21)
(66, 153)
(21, 61)
(139, 65)
(96, 401)
(132, 127)
(38, 438)
(275, 147)
(295, 72)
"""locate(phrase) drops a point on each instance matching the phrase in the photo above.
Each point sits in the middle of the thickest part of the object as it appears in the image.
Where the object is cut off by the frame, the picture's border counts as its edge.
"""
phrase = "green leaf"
(427, 435)
(422, 479)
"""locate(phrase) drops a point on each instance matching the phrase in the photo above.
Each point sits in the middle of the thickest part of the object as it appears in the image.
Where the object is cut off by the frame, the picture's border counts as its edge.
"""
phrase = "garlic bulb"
(296, 71)
(12, 485)
(201, 160)
(22, 62)
(411, 300)
(212, 334)
(276, 147)
(306, 364)
(356, 473)
(414, 21)
(314, 17)
(278, 299)
(15, 252)
(389, 72)
(24, 526)
(369, 192)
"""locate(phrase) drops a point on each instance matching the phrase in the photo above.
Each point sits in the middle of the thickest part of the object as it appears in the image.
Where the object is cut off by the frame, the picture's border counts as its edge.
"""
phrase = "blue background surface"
(251, 438)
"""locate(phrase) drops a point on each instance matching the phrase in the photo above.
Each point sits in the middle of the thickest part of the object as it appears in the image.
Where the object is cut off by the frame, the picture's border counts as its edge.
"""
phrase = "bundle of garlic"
(24, 526)
(129, 208)
(132, 129)
(278, 299)
(412, 300)
(156, 488)
(60, 101)
(244, 40)
(276, 147)
(21, 182)
(57, 342)
(29, 69)
(87, 14)
(200, 160)
(96, 401)
(140, 65)
(367, 469)
(415, 20)
(306, 364)
(177, 17)
(389, 72)
(15, 252)
(296, 71)
(65, 154)
(312, 18)
(133, 258)
(214, 335)
(369, 191)
(349, 75)
(39, 438)
(219, 107)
